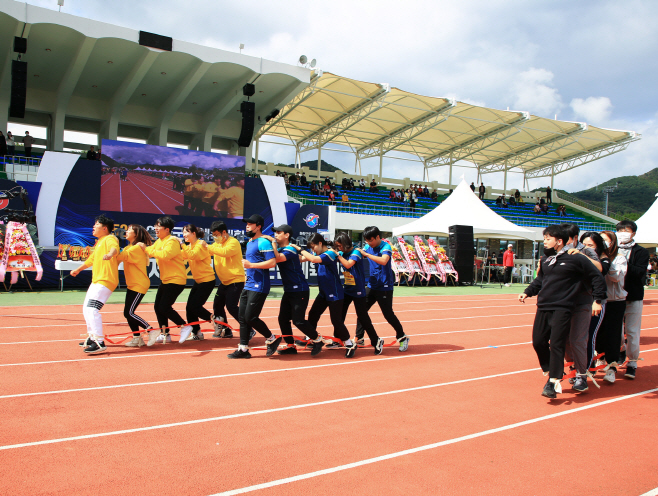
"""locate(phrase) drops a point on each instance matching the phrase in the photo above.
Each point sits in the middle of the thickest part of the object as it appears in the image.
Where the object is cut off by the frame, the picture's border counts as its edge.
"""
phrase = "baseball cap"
(283, 228)
(255, 219)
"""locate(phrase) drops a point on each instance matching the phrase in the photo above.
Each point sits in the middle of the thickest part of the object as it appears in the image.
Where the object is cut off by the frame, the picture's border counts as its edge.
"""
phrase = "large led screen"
(161, 180)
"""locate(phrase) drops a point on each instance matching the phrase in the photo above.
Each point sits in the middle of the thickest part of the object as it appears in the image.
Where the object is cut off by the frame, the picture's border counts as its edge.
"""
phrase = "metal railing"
(20, 160)
(19, 170)
(588, 206)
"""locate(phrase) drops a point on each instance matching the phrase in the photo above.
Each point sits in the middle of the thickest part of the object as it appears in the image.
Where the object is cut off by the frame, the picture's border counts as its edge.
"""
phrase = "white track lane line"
(426, 447)
(111, 176)
(146, 183)
(653, 492)
(145, 195)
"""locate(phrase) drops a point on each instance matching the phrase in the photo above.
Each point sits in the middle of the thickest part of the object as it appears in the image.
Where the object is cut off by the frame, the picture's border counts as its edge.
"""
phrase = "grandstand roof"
(95, 77)
(373, 119)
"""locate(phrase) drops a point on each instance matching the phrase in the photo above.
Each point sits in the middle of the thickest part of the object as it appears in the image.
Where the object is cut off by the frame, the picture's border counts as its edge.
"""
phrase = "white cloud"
(594, 109)
(535, 93)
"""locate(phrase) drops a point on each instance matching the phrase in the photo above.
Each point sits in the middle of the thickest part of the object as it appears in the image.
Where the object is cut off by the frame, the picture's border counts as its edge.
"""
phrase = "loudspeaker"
(467, 230)
(156, 41)
(248, 89)
(18, 89)
(248, 110)
(465, 273)
(462, 257)
(459, 244)
(20, 44)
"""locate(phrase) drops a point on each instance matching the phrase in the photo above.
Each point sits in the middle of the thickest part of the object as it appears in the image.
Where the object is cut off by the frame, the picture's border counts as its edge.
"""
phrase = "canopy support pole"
(319, 160)
(255, 168)
(450, 177)
(381, 166)
(505, 182)
(356, 162)
(478, 178)
(552, 175)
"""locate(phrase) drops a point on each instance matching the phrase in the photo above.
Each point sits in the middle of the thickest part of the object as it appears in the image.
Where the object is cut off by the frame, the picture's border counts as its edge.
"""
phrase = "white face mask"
(623, 237)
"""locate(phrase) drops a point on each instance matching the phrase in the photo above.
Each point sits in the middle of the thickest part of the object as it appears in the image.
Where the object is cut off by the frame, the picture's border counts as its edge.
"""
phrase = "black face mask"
(250, 234)
(550, 252)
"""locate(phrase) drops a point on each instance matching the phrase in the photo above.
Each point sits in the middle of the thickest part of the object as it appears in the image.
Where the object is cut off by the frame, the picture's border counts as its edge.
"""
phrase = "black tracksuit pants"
(385, 301)
(594, 328)
(251, 304)
(551, 326)
(320, 304)
(228, 295)
(164, 304)
(610, 334)
(293, 308)
(361, 308)
(133, 299)
(194, 309)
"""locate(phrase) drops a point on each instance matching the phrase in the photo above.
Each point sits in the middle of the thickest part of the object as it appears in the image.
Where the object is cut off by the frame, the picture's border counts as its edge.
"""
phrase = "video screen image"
(161, 180)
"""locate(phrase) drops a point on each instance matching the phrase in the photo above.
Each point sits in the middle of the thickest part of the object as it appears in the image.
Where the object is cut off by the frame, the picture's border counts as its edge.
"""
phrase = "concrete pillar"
(56, 132)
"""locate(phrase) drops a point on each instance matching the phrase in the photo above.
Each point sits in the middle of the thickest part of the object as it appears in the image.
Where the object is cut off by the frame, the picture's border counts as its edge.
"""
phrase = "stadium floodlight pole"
(607, 190)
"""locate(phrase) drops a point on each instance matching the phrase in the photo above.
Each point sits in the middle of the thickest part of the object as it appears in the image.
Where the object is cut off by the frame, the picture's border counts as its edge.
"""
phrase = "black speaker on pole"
(156, 41)
(20, 44)
(465, 273)
(248, 110)
(18, 89)
(461, 250)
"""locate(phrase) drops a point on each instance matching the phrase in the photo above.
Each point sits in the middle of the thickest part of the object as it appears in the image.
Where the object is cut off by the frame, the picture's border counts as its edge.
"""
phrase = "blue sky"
(591, 61)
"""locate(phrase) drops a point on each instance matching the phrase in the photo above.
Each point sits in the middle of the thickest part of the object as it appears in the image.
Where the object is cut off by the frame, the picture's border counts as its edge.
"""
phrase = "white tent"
(647, 230)
(464, 208)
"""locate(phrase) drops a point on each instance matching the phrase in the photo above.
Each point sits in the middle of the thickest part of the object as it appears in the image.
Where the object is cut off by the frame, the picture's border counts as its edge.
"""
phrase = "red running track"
(459, 413)
(139, 193)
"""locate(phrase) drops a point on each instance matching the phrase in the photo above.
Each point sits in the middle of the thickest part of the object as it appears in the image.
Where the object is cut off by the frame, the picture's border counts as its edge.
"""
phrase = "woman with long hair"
(198, 257)
(135, 261)
(331, 293)
(355, 287)
(610, 334)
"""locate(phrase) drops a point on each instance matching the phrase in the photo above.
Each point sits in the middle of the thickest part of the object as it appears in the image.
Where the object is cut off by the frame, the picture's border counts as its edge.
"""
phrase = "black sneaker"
(239, 354)
(95, 347)
(549, 390)
(379, 347)
(351, 350)
(622, 357)
(299, 342)
(333, 344)
(85, 343)
(252, 335)
(630, 372)
(228, 334)
(272, 347)
(360, 342)
(580, 384)
(288, 350)
(316, 347)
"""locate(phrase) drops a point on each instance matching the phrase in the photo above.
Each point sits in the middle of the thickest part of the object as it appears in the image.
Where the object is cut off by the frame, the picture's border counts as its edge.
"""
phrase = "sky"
(588, 61)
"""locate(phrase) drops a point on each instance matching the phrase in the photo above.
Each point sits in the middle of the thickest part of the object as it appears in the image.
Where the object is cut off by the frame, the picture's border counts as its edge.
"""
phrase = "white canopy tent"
(464, 208)
(647, 232)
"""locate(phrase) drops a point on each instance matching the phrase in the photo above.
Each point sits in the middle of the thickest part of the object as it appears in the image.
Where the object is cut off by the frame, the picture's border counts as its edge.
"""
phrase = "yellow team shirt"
(189, 185)
(235, 198)
(228, 261)
(169, 255)
(199, 259)
(196, 190)
(135, 261)
(209, 192)
(105, 272)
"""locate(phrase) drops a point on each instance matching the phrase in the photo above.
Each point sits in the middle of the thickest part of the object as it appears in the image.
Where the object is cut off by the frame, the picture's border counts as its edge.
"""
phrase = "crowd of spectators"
(8, 144)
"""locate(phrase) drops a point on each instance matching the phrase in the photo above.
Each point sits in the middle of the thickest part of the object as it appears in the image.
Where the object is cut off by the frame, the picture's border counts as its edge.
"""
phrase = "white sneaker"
(163, 338)
(153, 337)
(185, 332)
(217, 327)
(507, 285)
(610, 375)
(136, 342)
(198, 337)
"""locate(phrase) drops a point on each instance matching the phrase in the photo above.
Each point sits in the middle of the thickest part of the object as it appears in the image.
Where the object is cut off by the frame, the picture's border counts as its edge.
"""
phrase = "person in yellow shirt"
(197, 195)
(234, 198)
(104, 280)
(228, 265)
(173, 276)
(208, 194)
(135, 262)
(188, 187)
(197, 256)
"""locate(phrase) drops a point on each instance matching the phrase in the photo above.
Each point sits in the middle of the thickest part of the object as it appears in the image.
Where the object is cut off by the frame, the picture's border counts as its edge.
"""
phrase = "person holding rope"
(259, 260)
(331, 293)
(104, 280)
(295, 293)
(380, 284)
(173, 276)
(227, 255)
(355, 288)
(135, 262)
(197, 255)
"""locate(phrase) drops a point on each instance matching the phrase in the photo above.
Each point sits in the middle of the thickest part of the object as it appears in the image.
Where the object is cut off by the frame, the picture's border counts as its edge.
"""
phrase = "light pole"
(606, 191)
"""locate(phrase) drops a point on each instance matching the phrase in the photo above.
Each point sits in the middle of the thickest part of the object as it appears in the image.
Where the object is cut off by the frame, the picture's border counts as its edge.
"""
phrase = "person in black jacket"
(557, 285)
(638, 260)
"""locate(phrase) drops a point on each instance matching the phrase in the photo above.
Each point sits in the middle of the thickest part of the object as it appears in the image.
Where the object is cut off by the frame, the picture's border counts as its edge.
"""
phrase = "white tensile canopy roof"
(464, 208)
(647, 232)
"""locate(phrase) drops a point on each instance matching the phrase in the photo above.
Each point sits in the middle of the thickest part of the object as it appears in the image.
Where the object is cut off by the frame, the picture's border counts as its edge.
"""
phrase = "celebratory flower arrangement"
(18, 253)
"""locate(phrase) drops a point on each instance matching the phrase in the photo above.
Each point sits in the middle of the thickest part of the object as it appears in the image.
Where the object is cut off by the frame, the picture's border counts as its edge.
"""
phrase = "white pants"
(632, 325)
(97, 295)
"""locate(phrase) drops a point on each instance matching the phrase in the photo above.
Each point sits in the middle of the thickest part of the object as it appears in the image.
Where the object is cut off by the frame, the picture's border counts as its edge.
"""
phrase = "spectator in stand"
(98, 154)
(351, 184)
(28, 141)
(481, 191)
(345, 200)
(398, 195)
(303, 180)
(503, 202)
(549, 195)
(473, 187)
(327, 180)
(406, 199)
(314, 188)
(499, 201)
(435, 196)
(326, 189)
(561, 211)
(508, 263)
(332, 197)
(517, 195)
(537, 208)
(520, 200)
(512, 201)
(91, 154)
(373, 186)
(11, 145)
(391, 195)
(426, 192)
(542, 201)
(286, 180)
(362, 185)
(544, 208)
(3, 145)
(278, 173)
(412, 200)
